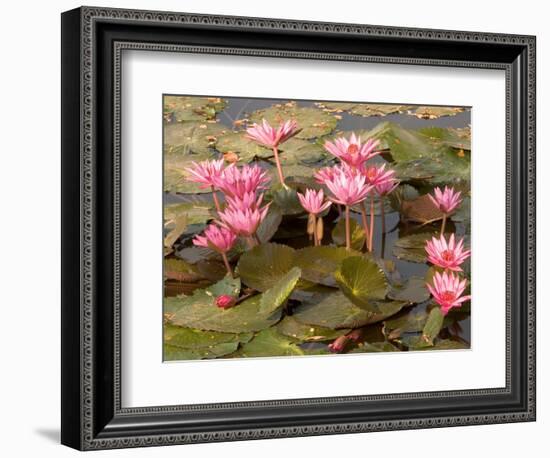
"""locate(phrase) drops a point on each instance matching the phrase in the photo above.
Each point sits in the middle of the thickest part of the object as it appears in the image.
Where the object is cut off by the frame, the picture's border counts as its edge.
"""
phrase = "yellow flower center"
(448, 296)
(353, 149)
(447, 255)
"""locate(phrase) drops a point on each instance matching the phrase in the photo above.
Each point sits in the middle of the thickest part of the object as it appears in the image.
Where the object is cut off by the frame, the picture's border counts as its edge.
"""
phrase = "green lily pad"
(240, 144)
(337, 107)
(176, 177)
(447, 168)
(268, 227)
(371, 109)
(420, 210)
(173, 353)
(336, 311)
(456, 138)
(358, 236)
(200, 312)
(188, 338)
(435, 112)
(269, 342)
(299, 151)
(190, 108)
(375, 347)
(264, 265)
(362, 281)
(196, 211)
(412, 247)
(291, 327)
(414, 291)
(414, 321)
(319, 263)
(287, 201)
(178, 269)
(313, 121)
(274, 297)
(188, 138)
(447, 344)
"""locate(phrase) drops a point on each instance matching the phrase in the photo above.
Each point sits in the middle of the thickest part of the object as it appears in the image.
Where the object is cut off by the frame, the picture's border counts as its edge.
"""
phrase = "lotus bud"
(311, 224)
(225, 301)
(338, 345)
(320, 229)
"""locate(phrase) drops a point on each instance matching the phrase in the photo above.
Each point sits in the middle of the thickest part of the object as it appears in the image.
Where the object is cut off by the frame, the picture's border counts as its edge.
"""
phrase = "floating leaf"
(245, 148)
(178, 269)
(412, 247)
(414, 291)
(312, 121)
(268, 227)
(337, 107)
(299, 151)
(420, 210)
(435, 112)
(414, 321)
(362, 281)
(433, 325)
(274, 297)
(290, 326)
(448, 168)
(371, 109)
(357, 234)
(178, 336)
(264, 265)
(173, 353)
(375, 347)
(200, 312)
(319, 263)
(455, 138)
(191, 138)
(180, 224)
(335, 311)
(269, 342)
(287, 201)
(447, 344)
(191, 108)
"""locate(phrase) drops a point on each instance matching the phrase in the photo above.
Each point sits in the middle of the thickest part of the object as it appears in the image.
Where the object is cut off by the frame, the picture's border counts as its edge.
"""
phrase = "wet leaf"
(274, 297)
(336, 311)
(414, 321)
(286, 201)
(455, 138)
(375, 347)
(414, 291)
(447, 168)
(173, 353)
(357, 234)
(362, 281)
(319, 263)
(371, 109)
(420, 210)
(268, 227)
(298, 151)
(269, 342)
(291, 327)
(178, 336)
(264, 265)
(412, 247)
(433, 325)
(191, 138)
(312, 121)
(180, 224)
(200, 312)
(178, 269)
(245, 148)
(337, 107)
(191, 108)
(435, 112)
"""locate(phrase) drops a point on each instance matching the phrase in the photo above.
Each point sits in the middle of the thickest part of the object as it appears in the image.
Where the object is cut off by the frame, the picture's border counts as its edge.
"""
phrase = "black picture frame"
(92, 42)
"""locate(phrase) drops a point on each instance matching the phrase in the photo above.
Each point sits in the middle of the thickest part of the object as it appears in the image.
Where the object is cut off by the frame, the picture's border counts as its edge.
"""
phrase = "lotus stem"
(365, 223)
(348, 233)
(215, 197)
(443, 223)
(279, 168)
(227, 265)
(371, 234)
(383, 214)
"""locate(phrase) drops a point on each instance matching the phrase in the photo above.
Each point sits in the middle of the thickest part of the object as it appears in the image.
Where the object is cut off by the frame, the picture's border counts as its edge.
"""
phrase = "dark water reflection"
(238, 108)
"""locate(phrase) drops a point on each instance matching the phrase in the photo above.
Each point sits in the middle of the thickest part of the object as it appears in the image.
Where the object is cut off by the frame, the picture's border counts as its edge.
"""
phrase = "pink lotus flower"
(248, 200)
(377, 175)
(243, 221)
(206, 172)
(385, 188)
(312, 201)
(348, 187)
(352, 151)
(447, 255)
(447, 291)
(446, 200)
(225, 301)
(268, 136)
(216, 238)
(237, 181)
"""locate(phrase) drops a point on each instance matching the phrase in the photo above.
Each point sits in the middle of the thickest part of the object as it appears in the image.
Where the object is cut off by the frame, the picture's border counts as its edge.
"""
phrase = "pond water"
(238, 108)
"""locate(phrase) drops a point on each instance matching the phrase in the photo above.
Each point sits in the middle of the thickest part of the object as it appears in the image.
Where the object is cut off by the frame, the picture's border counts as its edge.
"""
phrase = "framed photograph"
(276, 228)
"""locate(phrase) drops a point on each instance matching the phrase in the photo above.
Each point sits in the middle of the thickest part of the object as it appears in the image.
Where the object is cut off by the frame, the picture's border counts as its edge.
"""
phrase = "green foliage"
(358, 236)
(274, 297)
(433, 325)
(319, 263)
(412, 247)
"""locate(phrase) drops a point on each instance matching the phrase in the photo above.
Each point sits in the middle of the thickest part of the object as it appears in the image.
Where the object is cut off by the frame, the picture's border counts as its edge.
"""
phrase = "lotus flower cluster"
(314, 203)
(243, 214)
(352, 181)
(447, 287)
